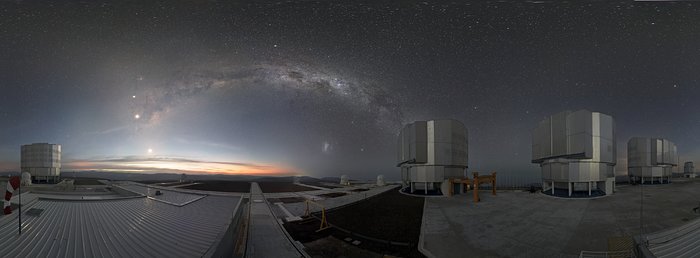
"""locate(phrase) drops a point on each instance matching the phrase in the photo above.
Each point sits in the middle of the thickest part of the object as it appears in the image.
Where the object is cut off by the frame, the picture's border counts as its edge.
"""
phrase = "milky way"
(295, 79)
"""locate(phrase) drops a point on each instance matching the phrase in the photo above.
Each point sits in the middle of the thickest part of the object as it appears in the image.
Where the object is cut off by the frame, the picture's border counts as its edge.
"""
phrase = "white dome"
(344, 180)
(26, 179)
(380, 180)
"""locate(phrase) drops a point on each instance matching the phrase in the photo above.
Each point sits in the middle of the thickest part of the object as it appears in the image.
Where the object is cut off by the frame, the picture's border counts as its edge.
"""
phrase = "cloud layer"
(148, 164)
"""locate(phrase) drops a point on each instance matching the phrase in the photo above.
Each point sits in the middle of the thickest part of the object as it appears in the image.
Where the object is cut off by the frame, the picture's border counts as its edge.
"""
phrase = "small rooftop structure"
(344, 180)
(689, 169)
(576, 152)
(380, 180)
(651, 159)
(430, 154)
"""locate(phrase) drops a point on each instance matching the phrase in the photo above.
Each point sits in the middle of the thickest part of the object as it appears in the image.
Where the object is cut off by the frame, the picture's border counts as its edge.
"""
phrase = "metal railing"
(610, 254)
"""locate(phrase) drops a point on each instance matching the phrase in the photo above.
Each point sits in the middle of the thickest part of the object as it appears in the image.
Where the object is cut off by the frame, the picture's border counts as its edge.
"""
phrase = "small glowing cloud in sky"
(326, 147)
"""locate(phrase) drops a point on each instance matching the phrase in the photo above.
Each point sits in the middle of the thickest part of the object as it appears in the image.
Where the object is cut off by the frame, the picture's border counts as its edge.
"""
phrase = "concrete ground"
(299, 208)
(332, 247)
(267, 238)
(521, 224)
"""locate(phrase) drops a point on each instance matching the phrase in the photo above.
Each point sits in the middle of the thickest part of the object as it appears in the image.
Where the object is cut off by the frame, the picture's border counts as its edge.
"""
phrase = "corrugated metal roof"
(168, 196)
(683, 241)
(138, 227)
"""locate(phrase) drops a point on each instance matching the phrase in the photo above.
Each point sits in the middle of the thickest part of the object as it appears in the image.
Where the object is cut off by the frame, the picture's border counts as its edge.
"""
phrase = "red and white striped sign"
(11, 187)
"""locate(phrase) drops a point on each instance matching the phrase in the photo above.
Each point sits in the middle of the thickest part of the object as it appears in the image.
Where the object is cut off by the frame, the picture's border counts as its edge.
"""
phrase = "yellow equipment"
(478, 180)
(324, 223)
(475, 182)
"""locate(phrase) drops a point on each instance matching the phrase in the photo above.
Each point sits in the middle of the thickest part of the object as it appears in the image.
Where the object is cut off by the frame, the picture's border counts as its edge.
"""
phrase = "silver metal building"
(577, 153)
(42, 161)
(651, 159)
(689, 169)
(431, 153)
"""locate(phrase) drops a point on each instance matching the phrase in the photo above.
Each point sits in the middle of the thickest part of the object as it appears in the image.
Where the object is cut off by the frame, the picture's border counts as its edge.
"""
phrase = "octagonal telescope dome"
(42, 161)
(650, 160)
(430, 153)
(577, 154)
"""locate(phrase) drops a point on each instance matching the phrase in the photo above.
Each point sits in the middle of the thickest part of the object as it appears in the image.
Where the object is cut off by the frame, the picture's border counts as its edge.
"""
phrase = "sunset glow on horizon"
(174, 165)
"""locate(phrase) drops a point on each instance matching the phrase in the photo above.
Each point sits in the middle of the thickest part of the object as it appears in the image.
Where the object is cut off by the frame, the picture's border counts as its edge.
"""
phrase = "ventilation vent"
(34, 212)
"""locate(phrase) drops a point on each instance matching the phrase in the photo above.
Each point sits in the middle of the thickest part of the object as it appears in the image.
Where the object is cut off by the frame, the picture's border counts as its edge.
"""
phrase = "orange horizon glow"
(177, 166)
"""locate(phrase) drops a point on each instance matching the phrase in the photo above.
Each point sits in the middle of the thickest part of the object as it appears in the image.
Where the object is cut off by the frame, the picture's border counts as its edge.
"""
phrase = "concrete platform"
(267, 238)
(521, 224)
(298, 209)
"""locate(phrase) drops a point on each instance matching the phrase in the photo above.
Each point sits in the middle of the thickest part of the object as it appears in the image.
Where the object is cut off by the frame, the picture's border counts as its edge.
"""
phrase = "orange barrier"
(478, 180)
(475, 182)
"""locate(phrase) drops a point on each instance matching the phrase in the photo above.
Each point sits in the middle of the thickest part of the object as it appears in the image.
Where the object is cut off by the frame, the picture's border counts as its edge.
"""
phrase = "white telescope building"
(42, 161)
(651, 159)
(689, 169)
(431, 153)
(577, 154)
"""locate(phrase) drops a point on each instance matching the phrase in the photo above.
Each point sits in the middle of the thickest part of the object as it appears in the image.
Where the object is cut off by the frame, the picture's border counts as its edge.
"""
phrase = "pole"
(641, 213)
(19, 189)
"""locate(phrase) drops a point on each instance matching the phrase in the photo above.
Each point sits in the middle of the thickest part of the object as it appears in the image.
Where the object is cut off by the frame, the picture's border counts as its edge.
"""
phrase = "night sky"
(322, 88)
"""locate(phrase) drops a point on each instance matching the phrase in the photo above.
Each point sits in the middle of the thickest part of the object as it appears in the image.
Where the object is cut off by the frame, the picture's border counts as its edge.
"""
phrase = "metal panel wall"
(657, 151)
(639, 152)
(650, 167)
(581, 147)
(606, 133)
(667, 152)
(579, 131)
(420, 138)
(439, 147)
(41, 159)
(579, 135)
(651, 157)
(413, 143)
(559, 134)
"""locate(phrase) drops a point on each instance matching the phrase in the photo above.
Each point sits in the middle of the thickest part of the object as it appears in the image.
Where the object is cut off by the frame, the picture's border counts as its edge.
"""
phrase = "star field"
(321, 88)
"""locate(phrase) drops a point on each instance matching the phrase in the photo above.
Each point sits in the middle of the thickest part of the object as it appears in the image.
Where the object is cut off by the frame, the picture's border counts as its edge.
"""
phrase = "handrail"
(624, 253)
